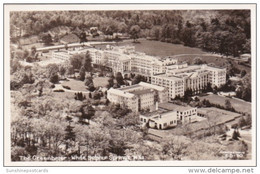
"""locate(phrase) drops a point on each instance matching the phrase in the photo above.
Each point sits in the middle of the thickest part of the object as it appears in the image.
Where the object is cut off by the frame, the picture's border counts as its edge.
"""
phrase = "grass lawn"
(75, 85)
(157, 48)
(100, 81)
(218, 61)
(161, 49)
(238, 105)
(63, 95)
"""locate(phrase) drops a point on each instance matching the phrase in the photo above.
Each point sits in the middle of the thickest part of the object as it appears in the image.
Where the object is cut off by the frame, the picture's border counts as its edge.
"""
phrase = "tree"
(46, 38)
(62, 70)
(138, 78)
(96, 96)
(198, 61)
(52, 69)
(134, 32)
(69, 133)
(54, 78)
(82, 73)
(66, 47)
(25, 54)
(76, 61)
(243, 73)
(119, 79)
(88, 80)
(83, 37)
(87, 112)
(110, 83)
(33, 51)
(70, 70)
(228, 104)
(87, 62)
(236, 135)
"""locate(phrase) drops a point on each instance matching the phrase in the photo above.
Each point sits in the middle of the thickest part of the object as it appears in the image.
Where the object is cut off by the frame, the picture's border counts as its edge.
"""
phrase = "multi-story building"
(174, 84)
(161, 95)
(160, 119)
(97, 56)
(217, 76)
(145, 96)
(169, 115)
(149, 65)
(185, 114)
(64, 55)
(123, 98)
(117, 61)
(180, 77)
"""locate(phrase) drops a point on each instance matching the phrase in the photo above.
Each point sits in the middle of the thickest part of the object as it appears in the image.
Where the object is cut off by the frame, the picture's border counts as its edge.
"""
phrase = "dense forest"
(222, 31)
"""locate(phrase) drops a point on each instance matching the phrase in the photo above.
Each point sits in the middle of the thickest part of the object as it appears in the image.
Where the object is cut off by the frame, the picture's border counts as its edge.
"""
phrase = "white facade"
(169, 115)
(123, 98)
(160, 120)
(179, 78)
(174, 84)
(138, 97)
(217, 76)
(63, 55)
(185, 114)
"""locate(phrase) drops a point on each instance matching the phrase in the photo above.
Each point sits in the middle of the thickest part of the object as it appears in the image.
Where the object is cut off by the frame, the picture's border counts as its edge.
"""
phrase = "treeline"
(223, 31)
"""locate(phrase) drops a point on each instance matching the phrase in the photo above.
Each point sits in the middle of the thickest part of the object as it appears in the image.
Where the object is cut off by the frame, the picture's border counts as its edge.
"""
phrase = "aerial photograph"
(130, 85)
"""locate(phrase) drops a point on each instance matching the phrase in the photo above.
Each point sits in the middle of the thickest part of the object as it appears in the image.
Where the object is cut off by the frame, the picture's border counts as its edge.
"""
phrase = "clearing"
(100, 81)
(239, 105)
(75, 85)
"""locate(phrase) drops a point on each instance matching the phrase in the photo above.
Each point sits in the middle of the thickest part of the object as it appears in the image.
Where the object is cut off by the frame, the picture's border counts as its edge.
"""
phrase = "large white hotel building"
(180, 77)
(142, 96)
(165, 72)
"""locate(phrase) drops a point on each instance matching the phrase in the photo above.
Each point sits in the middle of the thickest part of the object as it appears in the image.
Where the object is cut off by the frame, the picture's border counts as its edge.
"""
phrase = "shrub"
(58, 90)
(15, 85)
(234, 126)
(66, 87)
(235, 135)
(54, 78)
(176, 41)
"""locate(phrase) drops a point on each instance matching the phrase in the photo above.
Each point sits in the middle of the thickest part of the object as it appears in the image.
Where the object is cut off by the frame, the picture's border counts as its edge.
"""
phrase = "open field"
(208, 58)
(162, 49)
(64, 95)
(157, 48)
(100, 81)
(75, 85)
(238, 105)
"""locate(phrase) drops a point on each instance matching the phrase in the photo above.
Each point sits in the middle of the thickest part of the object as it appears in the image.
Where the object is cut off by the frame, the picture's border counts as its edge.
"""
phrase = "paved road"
(72, 45)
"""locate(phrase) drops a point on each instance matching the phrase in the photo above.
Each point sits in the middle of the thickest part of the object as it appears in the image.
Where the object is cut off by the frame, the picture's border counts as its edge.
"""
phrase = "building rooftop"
(159, 112)
(214, 68)
(143, 84)
(130, 87)
(121, 93)
(171, 106)
(170, 77)
(142, 91)
(148, 85)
